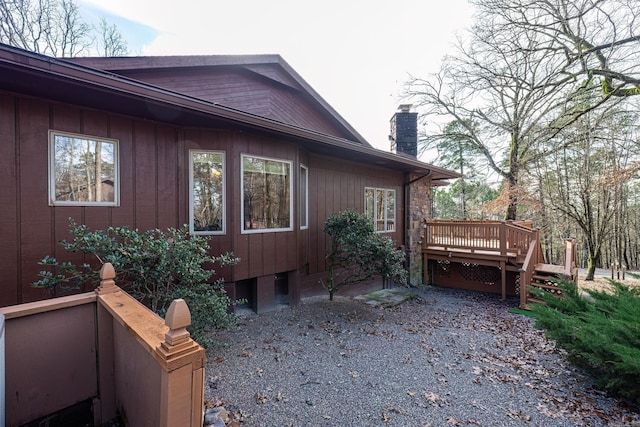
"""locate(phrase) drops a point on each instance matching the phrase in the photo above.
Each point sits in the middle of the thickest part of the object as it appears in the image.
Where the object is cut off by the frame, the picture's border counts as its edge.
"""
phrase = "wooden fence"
(105, 348)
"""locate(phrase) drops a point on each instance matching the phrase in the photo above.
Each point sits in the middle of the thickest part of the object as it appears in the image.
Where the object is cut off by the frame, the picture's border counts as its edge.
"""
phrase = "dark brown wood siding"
(244, 90)
(336, 185)
(153, 164)
(9, 202)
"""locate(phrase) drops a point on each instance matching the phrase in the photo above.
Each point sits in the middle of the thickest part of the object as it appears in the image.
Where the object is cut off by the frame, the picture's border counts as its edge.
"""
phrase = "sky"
(357, 54)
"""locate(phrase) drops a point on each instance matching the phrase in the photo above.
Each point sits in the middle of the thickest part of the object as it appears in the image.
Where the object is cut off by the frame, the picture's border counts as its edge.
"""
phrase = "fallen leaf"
(517, 415)
(453, 421)
(432, 398)
(260, 397)
(546, 411)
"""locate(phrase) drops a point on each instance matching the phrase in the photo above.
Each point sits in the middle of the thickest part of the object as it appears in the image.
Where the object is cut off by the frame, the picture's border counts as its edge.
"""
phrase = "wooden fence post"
(107, 284)
(184, 363)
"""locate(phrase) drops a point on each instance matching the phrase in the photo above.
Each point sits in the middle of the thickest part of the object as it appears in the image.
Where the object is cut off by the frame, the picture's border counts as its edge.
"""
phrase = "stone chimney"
(404, 132)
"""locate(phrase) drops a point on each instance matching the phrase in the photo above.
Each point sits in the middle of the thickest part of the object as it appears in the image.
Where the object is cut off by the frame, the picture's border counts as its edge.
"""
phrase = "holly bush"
(358, 253)
(154, 266)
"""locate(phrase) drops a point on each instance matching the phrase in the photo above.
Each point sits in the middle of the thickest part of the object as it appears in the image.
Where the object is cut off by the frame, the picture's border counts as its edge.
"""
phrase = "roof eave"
(162, 62)
(60, 70)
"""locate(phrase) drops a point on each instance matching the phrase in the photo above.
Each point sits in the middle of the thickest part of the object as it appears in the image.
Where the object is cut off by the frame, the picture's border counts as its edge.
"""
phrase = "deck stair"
(545, 276)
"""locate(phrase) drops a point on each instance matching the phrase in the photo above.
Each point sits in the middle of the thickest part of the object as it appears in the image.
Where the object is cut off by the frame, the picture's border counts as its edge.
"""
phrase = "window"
(380, 206)
(83, 170)
(304, 197)
(266, 195)
(206, 195)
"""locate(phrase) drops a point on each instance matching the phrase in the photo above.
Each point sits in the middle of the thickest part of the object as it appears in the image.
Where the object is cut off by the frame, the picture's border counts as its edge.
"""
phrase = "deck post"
(503, 239)
(503, 279)
(523, 288)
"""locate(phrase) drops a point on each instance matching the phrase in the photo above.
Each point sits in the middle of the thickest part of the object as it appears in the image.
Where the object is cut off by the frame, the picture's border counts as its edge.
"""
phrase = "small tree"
(358, 253)
(156, 267)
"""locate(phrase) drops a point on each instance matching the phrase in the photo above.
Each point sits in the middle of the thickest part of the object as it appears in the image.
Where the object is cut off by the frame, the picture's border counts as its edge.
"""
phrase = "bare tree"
(44, 26)
(509, 83)
(55, 28)
(586, 181)
(112, 43)
(595, 38)
(496, 88)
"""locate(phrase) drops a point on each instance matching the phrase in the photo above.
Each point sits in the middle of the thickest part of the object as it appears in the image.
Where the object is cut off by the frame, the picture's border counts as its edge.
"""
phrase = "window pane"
(83, 169)
(380, 207)
(207, 185)
(391, 210)
(266, 186)
(369, 203)
(380, 210)
(304, 198)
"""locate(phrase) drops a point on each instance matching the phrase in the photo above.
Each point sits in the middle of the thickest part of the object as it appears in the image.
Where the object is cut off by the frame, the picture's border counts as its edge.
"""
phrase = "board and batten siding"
(153, 172)
(334, 186)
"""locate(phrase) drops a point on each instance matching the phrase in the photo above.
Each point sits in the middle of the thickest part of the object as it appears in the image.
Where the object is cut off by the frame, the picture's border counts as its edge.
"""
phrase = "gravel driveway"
(448, 358)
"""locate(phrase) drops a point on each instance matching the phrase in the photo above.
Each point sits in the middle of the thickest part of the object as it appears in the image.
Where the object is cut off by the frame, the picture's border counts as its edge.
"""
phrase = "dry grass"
(602, 283)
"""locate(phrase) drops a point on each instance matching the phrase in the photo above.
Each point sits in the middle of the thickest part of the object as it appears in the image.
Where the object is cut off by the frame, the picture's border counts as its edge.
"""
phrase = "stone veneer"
(419, 201)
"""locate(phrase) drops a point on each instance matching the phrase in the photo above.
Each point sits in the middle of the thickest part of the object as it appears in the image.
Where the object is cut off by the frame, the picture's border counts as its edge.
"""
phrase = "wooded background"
(537, 106)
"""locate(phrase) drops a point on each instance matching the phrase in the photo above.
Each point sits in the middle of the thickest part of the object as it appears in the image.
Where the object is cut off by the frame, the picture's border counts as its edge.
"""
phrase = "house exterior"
(240, 148)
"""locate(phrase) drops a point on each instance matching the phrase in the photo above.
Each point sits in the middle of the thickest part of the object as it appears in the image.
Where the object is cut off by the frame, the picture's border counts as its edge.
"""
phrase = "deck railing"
(534, 257)
(508, 238)
(570, 260)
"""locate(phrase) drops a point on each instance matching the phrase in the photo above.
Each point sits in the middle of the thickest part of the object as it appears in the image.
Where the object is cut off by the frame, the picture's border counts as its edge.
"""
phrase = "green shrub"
(358, 253)
(155, 267)
(600, 332)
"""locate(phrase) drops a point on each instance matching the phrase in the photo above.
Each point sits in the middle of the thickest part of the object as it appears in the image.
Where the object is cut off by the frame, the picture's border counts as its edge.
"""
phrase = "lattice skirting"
(472, 276)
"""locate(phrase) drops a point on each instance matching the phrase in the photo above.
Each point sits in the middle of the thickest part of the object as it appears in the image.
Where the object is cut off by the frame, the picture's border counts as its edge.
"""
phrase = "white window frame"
(223, 196)
(52, 170)
(291, 196)
(386, 220)
(304, 200)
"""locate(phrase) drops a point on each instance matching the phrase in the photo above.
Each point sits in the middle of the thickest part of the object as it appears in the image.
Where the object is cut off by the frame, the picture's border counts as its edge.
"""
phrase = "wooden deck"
(513, 247)
(500, 244)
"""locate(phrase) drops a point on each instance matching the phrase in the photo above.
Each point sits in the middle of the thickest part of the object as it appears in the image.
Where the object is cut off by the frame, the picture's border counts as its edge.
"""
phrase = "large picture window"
(206, 196)
(83, 170)
(266, 195)
(380, 206)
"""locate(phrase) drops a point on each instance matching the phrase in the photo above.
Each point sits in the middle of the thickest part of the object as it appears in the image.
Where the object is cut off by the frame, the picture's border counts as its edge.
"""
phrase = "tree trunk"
(512, 207)
(591, 267)
(512, 178)
(593, 258)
